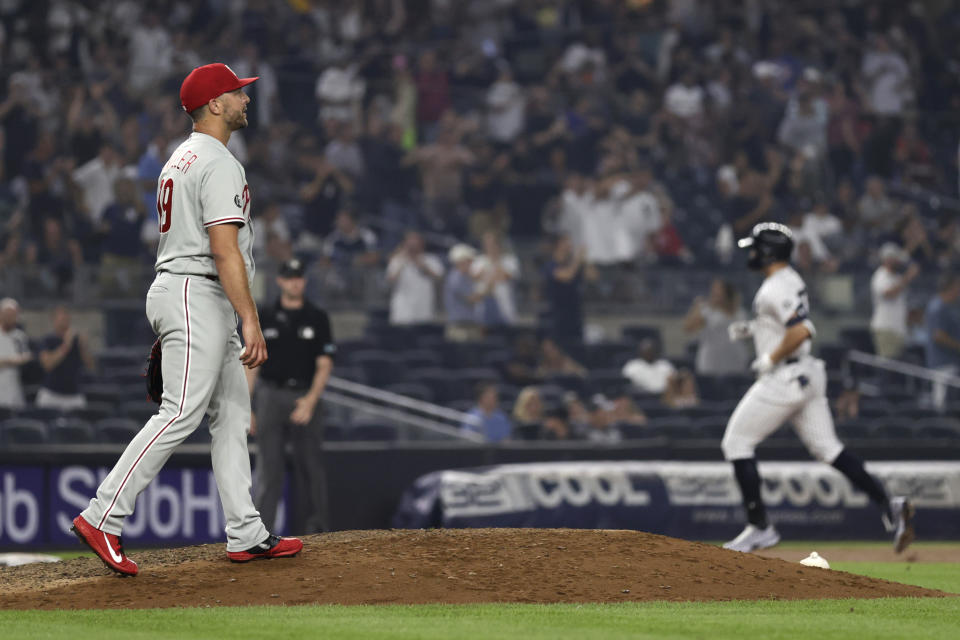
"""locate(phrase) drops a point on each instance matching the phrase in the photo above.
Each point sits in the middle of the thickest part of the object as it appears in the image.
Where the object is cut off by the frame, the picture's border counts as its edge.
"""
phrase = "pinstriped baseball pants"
(202, 374)
(792, 392)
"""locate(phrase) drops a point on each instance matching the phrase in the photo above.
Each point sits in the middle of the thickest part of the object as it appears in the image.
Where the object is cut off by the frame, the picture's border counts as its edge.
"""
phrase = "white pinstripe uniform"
(795, 389)
(202, 185)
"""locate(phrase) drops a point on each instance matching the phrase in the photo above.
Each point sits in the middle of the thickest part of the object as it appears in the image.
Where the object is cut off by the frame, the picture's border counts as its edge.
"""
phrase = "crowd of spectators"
(479, 120)
(443, 144)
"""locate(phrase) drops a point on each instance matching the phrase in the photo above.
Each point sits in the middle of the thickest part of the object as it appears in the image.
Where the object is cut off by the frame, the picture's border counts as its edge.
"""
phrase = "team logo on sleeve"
(237, 200)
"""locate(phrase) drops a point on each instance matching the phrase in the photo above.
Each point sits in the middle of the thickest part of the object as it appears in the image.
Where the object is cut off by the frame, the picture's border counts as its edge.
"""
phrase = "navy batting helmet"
(769, 242)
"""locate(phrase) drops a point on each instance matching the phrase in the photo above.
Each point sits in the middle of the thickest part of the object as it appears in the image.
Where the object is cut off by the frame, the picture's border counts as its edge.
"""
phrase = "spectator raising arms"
(413, 276)
(709, 319)
(888, 288)
(14, 353)
(460, 296)
(943, 332)
(64, 354)
(496, 272)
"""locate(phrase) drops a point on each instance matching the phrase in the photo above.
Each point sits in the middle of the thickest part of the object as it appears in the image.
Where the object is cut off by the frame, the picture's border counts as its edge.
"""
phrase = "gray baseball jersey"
(795, 389)
(201, 186)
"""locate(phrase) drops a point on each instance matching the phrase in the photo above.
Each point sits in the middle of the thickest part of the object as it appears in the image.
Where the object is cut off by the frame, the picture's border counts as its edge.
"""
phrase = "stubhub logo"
(21, 503)
(37, 506)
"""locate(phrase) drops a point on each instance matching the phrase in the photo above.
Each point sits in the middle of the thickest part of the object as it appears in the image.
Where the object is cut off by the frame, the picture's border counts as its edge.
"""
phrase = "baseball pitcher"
(204, 267)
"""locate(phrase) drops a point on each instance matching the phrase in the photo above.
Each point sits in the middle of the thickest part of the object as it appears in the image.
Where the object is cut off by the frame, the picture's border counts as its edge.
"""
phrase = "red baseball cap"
(208, 82)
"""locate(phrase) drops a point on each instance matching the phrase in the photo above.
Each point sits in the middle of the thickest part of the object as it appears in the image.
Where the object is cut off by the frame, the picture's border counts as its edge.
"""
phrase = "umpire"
(286, 402)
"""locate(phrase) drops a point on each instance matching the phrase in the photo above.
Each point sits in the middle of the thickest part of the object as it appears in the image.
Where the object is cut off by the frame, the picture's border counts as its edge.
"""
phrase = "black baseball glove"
(153, 373)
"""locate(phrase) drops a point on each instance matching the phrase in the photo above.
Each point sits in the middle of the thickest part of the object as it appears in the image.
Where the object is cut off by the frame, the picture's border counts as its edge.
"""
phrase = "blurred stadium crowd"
(467, 162)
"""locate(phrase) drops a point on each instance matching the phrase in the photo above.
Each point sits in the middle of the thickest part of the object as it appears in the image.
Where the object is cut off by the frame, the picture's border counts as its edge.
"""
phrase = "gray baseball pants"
(202, 374)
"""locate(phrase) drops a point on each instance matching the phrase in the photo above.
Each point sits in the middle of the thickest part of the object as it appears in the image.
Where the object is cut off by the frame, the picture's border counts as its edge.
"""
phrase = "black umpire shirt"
(295, 338)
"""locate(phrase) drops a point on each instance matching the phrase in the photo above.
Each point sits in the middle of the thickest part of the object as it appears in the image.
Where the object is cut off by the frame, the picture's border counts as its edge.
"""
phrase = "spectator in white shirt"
(640, 217)
(648, 371)
(804, 124)
(95, 180)
(151, 52)
(887, 79)
(822, 230)
(684, 99)
(496, 271)
(506, 106)
(14, 353)
(888, 288)
(340, 92)
(598, 238)
(575, 203)
(413, 277)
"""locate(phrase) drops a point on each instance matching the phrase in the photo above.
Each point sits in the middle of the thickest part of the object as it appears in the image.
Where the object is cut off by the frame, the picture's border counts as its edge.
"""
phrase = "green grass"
(822, 619)
(932, 575)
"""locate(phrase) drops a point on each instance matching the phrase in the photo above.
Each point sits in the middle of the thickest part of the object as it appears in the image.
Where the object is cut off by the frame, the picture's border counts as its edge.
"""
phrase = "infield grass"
(929, 619)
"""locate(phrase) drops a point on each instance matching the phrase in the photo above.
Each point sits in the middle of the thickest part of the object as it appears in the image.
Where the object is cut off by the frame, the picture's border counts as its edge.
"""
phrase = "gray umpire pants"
(274, 404)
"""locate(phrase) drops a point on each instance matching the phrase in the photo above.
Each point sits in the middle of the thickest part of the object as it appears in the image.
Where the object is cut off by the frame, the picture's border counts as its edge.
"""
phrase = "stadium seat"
(568, 383)
(15, 431)
(607, 355)
(833, 355)
(470, 377)
(116, 430)
(856, 428)
(895, 428)
(495, 358)
(638, 431)
(875, 409)
(368, 431)
(526, 432)
(123, 375)
(100, 392)
(719, 388)
(95, 411)
(380, 368)
(139, 410)
(413, 390)
(420, 358)
(711, 427)
(43, 414)
(858, 338)
(440, 381)
(120, 357)
(353, 374)
(69, 430)
(635, 333)
(332, 433)
(609, 382)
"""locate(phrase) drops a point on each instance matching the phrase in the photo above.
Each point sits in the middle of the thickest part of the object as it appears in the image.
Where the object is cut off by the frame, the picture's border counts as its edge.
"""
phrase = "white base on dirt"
(815, 560)
(18, 559)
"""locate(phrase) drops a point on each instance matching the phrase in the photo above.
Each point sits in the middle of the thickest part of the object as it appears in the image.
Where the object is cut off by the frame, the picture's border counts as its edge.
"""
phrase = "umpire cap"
(769, 242)
(292, 268)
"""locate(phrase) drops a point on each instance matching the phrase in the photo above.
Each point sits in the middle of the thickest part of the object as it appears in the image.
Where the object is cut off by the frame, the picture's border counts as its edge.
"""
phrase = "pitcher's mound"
(451, 566)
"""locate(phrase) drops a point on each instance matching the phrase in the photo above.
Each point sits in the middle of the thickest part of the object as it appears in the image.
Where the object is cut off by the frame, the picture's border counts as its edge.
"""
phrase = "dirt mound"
(452, 566)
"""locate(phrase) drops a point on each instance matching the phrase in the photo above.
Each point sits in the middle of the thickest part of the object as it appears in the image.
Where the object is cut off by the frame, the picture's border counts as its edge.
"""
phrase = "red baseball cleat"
(106, 545)
(272, 547)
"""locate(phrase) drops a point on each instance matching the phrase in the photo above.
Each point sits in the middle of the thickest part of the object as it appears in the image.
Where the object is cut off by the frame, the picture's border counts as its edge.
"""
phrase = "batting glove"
(740, 330)
(762, 365)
